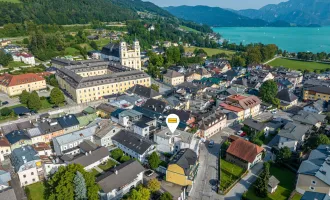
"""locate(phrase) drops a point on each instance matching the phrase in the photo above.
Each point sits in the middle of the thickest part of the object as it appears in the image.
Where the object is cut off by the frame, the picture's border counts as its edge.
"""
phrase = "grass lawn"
(302, 65)
(36, 191)
(102, 42)
(209, 51)
(95, 173)
(229, 174)
(108, 165)
(13, 64)
(7, 118)
(11, 1)
(189, 29)
(296, 196)
(72, 51)
(284, 189)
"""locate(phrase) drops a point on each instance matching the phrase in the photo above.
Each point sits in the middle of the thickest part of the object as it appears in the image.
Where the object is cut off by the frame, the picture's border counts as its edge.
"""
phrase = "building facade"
(130, 57)
(173, 78)
(317, 92)
(211, 125)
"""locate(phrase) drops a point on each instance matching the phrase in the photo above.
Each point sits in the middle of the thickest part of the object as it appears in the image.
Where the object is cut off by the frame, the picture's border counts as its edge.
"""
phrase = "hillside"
(75, 11)
(301, 12)
(215, 16)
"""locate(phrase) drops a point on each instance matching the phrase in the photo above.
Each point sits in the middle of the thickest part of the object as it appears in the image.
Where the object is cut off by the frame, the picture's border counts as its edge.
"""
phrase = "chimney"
(86, 153)
(116, 172)
(90, 152)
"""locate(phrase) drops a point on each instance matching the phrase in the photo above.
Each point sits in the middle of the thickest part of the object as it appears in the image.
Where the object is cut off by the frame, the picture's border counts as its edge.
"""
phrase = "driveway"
(11, 101)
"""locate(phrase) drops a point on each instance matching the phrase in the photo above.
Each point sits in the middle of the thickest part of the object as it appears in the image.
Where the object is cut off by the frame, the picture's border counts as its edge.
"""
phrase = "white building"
(292, 135)
(104, 134)
(27, 164)
(130, 57)
(24, 57)
(119, 181)
(168, 142)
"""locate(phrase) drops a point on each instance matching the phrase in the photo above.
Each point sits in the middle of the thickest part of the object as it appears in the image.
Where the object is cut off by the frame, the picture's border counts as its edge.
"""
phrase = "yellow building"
(173, 78)
(182, 168)
(92, 81)
(15, 84)
(318, 92)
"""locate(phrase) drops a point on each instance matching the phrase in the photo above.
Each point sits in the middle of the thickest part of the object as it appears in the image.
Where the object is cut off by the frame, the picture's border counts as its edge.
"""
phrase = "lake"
(292, 39)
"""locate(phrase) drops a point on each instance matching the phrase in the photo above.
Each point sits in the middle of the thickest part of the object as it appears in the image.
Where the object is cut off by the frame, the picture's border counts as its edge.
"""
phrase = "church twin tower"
(130, 57)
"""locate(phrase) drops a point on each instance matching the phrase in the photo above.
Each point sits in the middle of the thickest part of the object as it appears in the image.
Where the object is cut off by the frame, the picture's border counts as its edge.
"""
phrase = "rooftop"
(23, 155)
(9, 80)
(77, 135)
(68, 121)
(244, 150)
(185, 158)
(143, 91)
(293, 131)
(173, 74)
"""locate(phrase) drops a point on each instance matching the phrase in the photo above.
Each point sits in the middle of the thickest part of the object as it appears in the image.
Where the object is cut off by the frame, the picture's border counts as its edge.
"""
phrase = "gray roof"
(24, 125)
(254, 124)
(74, 136)
(173, 74)
(166, 133)
(320, 89)
(286, 95)
(185, 158)
(49, 126)
(155, 105)
(308, 195)
(106, 107)
(319, 105)
(133, 141)
(211, 118)
(308, 117)
(273, 182)
(4, 177)
(143, 91)
(87, 146)
(26, 153)
(293, 131)
(8, 194)
(34, 132)
(105, 126)
(91, 158)
(127, 172)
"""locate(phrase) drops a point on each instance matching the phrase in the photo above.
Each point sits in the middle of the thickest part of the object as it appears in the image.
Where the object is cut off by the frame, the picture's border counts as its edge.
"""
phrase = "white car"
(274, 112)
(239, 132)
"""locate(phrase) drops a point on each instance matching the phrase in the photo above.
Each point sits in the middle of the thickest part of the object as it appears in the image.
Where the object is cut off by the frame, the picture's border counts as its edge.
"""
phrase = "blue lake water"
(292, 39)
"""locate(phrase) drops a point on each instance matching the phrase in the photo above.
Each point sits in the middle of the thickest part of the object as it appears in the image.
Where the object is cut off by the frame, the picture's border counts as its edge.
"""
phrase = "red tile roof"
(231, 108)
(12, 80)
(4, 142)
(244, 150)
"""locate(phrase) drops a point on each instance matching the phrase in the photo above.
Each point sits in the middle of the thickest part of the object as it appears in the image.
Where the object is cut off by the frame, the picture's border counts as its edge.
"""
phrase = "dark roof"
(126, 173)
(155, 105)
(133, 141)
(184, 158)
(148, 113)
(141, 124)
(68, 121)
(87, 146)
(286, 95)
(106, 108)
(111, 50)
(314, 196)
(49, 126)
(320, 89)
(254, 124)
(16, 136)
(184, 115)
(143, 91)
(92, 157)
(117, 112)
(21, 110)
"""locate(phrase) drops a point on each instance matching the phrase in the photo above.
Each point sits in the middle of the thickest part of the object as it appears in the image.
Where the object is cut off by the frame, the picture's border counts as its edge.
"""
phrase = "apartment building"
(24, 57)
(173, 78)
(4, 148)
(14, 84)
(211, 124)
(317, 92)
(92, 81)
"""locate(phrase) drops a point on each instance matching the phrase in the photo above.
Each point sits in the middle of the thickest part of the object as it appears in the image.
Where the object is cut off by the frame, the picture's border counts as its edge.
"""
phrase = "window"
(24, 176)
(312, 188)
(32, 173)
(33, 180)
(313, 182)
(25, 182)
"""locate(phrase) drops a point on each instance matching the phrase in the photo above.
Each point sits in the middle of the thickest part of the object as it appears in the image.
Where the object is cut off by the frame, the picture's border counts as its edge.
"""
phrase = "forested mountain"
(215, 16)
(75, 11)
(300, 12)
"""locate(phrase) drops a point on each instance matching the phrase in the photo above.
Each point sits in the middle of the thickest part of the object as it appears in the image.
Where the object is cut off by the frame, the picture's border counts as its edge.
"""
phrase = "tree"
(154, 160)
(6, 111)
(80, 187)
(283, 155)
(140, 193)
(237, 61)
(53, 82)
(262, 182)
(316, 140)
(56, 96)
(24, 97)
(166, 196)
(34, 102)
(94, 45)
(153, 185)
(117, 154)
(155, 87)
(61, 185)
(268, 91)
(5, 58)
(124, 158)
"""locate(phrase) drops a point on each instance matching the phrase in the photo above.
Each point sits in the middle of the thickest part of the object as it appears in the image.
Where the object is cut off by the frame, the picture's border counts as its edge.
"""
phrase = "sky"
(233, 4)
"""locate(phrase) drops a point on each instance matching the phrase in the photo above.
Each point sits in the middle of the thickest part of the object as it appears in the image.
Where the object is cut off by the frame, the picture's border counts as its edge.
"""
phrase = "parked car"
(239, 132)
(55, 107)
(4, 103)
(211, 144)
(149, 172)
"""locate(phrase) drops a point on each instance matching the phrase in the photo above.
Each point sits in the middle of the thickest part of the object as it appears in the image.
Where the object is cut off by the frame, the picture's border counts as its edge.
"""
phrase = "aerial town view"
(164, 100)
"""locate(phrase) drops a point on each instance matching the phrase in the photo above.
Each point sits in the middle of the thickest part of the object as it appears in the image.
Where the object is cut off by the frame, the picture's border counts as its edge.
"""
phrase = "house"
(144, 92)
(168, 142)
(128, 117)
(317, 107)
(43, 149)
(182, 168)
(189, 77)
(50, 128)
(68, 143)
(155, 105)
(308, 118)
(24, 57)
(256, 126)
(272, 184)
(4, 148)
(89, 159)
(244, 153)
(134, 145)
(18, 139)
(145, 126)
(14, 85)
(69, 123)
(243, 106)
(315, 196)
(313, 174)
(118, 181)
(293, 135)
(27, 165)
(287, 99)
(111, 52)
(173, 78)
(35, 135)
(106, 130)
(5, 180)
(4, 43)
(317, 92)
(167, 44)
(211, 124)
(186, 117)
(104, 110)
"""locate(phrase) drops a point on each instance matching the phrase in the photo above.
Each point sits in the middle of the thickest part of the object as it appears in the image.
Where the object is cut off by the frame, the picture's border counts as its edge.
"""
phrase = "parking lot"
(11, 101)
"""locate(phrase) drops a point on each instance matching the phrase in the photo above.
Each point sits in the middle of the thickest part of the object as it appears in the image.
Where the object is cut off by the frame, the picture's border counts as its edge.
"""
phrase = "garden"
(229, 173)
